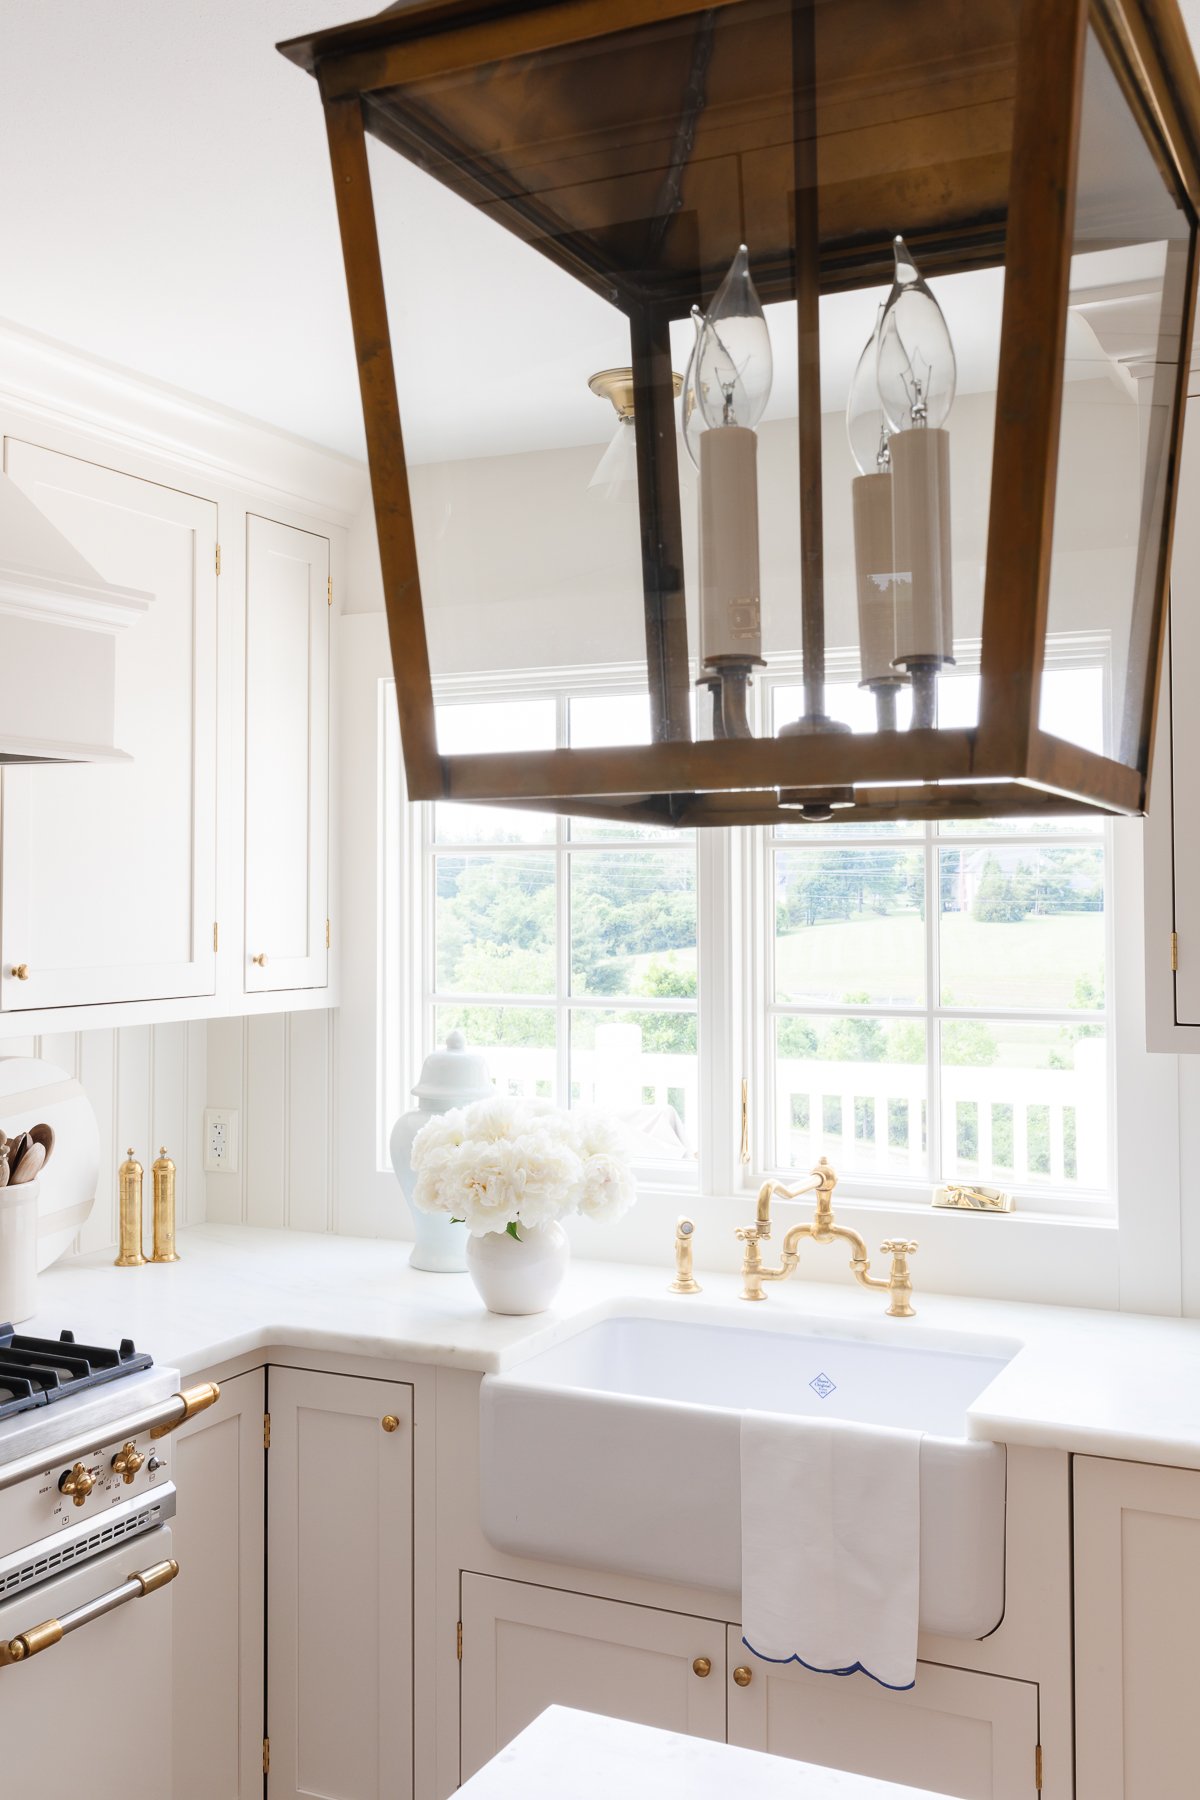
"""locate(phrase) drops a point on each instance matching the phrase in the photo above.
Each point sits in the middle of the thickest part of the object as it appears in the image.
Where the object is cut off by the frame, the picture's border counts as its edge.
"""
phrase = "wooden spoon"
(29, 1166)
(44, 1135)
(17, 1148)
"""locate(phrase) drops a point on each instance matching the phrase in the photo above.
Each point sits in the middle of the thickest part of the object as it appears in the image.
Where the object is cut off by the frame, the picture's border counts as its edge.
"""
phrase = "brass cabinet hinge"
(745, 1152)
(266, 1756)
(1037, 1768)
(327, 934)
(216, 934)
(329, 592)
(459, 1640)
(1174, 952)
(266, 1431)
(218, 559)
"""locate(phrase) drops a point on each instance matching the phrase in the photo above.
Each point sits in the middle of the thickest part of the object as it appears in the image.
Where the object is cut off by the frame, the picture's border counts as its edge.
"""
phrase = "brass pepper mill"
(163, 1172)
(130, 1184)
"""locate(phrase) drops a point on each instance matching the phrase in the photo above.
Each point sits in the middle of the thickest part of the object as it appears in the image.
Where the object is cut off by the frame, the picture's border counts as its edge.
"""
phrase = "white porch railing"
(873, 1116)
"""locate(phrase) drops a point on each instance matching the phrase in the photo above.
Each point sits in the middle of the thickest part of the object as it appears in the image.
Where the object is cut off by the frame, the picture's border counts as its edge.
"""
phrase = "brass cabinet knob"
(260, 961)
(21, 971)
(77, 1482)
(390, 1422)
(702, 1667)
(127, 1462)
(743, 1676)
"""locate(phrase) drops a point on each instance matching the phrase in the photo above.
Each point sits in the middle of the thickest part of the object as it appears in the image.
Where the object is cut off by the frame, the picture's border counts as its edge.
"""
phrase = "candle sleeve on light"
(921, 553)
(871, 498)
(729, 574)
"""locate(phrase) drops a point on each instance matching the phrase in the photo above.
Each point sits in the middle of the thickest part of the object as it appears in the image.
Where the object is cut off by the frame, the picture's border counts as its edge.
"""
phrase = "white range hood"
(58, 626)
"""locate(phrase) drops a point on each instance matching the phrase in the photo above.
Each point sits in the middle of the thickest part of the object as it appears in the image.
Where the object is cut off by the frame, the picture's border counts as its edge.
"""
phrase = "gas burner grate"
(37, 1371)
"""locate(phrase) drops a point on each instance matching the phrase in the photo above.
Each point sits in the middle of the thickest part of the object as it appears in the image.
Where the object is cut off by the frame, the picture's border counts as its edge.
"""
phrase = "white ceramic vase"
(451, 1077)
(519, 1274)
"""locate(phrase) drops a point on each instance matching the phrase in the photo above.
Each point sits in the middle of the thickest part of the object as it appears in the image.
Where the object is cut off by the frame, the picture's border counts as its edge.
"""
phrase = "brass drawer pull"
(390, 1422)
(702, 1667)
(52, 1631)
(260, 961)
(21, 971)
(743, 1676)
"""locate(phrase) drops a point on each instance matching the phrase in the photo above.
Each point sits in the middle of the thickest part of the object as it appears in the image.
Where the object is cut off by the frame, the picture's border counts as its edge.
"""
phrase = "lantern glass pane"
(562, 232)
(1128, 280)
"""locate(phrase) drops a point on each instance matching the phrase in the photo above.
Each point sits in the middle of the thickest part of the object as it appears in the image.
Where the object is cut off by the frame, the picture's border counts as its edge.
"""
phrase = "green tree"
(796, 1038)
(967, 1043)
(1000, 899)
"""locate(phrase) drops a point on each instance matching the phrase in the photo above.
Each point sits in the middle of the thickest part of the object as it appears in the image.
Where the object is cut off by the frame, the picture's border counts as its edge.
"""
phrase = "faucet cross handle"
(899, 1280)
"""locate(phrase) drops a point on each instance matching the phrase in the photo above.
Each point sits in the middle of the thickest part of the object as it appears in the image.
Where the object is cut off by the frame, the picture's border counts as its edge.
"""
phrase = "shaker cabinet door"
(1137, 1630)
(287, 757)
(217, 1462)
(954, 1732)
(525, 1648)
(339, 1587)
(109, 870)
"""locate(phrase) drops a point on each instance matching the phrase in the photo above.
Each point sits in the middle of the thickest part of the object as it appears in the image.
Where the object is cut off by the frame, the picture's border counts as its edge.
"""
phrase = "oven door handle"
(52, 1631)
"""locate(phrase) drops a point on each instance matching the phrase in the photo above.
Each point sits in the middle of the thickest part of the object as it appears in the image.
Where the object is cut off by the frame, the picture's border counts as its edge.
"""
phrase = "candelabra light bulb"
(732, 358)
(915, 367)
(866, 426)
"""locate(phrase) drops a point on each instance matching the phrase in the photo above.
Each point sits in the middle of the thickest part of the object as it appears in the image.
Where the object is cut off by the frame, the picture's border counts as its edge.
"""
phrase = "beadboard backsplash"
(277, 1071)
(146, 1083)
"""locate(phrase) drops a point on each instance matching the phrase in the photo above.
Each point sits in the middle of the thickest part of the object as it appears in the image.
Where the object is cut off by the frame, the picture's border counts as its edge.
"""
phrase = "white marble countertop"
(579, 1754)
(1109, 1384)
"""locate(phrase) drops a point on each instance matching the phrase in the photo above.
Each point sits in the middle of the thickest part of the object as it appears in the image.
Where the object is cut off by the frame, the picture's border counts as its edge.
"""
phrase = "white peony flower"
(502, 1163)
(608, 1188)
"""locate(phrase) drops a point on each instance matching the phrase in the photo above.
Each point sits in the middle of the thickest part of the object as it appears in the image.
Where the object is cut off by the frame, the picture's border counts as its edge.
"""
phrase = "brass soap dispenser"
(129, 1178)
(163, 1172)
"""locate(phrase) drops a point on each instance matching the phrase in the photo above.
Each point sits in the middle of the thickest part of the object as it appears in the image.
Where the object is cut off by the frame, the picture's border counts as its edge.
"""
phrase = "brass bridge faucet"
(822, 1229)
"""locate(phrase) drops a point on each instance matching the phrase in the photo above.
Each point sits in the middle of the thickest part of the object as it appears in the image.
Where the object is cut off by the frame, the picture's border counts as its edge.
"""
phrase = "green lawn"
(1034, 962)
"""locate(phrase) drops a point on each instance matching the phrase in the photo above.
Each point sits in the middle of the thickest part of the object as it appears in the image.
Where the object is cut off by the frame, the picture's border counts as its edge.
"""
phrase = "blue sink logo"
(822, 1387)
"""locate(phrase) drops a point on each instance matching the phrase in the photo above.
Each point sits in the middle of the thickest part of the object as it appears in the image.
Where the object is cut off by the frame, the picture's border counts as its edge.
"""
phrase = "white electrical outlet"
(220, 1140)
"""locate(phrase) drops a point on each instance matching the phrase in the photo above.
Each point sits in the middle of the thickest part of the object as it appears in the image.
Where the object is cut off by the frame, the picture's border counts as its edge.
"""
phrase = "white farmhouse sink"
(619, 1448)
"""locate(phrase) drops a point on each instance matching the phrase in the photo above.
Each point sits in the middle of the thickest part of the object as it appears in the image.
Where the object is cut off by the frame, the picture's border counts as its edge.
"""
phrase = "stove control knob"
(127, 1462)
(155, 1464)
(78, 1482)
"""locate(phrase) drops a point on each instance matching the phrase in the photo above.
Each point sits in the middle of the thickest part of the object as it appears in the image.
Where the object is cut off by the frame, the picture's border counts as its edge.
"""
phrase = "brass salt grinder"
(164, 1209)
(129, 1180)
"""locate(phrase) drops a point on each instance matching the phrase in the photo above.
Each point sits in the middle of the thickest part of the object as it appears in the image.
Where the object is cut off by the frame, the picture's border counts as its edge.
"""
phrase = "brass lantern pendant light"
(903, 540)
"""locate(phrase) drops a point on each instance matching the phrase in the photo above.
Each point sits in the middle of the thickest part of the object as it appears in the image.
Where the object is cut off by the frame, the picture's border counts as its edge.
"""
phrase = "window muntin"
(938, 997)
(566, 952)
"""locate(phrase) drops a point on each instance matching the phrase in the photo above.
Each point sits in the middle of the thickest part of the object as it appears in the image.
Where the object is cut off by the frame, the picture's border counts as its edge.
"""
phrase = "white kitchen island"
(570, 1755)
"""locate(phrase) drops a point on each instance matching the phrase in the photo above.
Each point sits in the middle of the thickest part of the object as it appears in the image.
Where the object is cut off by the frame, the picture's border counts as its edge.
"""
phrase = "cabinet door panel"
(526, 1648)
(109, 870)
(1137, 1636)
(218, 1461)
(339, 1588)
(287, 756)
(956, 1732)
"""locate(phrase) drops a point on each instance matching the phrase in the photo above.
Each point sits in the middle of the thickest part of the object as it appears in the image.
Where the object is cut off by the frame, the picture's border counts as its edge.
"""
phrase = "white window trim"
(1134, 1264)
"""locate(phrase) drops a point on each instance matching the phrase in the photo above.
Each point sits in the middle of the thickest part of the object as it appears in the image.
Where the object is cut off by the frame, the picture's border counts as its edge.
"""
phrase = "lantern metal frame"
(1006, 765)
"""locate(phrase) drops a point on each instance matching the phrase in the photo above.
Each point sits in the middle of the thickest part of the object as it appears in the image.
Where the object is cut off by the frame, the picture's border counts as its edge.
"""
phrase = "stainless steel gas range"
(86, 1503)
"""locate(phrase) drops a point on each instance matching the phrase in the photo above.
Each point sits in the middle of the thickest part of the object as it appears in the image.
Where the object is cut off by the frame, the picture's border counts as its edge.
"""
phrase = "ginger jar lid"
(455, 1074)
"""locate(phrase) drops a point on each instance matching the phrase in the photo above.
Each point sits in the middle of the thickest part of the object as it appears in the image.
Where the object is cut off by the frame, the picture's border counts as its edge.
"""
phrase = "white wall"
(147, 1084)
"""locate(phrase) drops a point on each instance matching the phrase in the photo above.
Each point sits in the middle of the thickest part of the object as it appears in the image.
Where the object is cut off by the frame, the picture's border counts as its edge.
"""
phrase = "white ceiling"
(167, 206)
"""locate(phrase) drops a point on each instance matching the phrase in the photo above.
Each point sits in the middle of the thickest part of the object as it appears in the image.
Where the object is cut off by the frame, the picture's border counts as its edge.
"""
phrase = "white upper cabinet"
(1172, 834)
(287, 758)
(109, 870)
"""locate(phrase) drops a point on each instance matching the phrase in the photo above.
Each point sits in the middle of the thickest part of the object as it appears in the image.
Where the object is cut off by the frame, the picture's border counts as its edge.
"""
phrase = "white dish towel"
(831, 1545)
